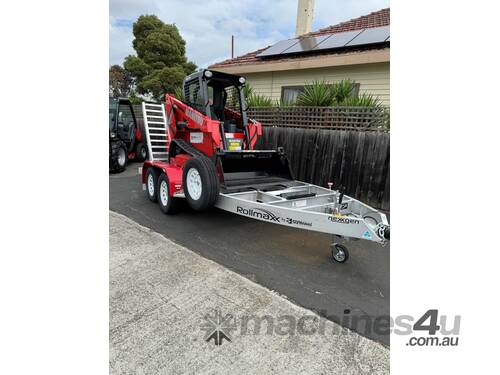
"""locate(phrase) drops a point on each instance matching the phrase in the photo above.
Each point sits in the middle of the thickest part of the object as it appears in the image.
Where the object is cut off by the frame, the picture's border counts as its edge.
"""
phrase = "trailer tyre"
(118, 157)
(141, 152)
(152, 184)
(200, 183)
(168, 204)
(339, 253)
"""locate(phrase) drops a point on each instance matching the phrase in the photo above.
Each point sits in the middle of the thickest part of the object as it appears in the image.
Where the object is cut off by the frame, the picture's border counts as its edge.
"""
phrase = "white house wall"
(373, 79)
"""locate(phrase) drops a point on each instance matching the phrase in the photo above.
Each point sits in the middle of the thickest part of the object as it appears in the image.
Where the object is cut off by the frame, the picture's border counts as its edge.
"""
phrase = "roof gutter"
(351, 58)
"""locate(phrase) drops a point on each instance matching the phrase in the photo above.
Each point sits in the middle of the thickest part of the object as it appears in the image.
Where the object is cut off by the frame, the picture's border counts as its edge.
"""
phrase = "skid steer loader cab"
(221, 97)
(122, 122)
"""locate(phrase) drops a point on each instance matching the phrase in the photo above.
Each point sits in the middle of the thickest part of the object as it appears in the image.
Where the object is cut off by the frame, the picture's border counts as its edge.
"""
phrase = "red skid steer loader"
(209, 147)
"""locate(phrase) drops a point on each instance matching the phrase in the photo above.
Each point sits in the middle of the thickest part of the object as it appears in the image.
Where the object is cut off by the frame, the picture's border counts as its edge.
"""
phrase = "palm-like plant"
(248, 91)
(257, 100)
(179, 93)
(364, 100)
(342, 90)
(284, 103)
(317, 94)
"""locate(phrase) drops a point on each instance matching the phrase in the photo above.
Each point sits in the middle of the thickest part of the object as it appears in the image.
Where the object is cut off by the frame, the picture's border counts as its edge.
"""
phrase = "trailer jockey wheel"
(200, 183)
(169, 205)
(339, 253)
(151, 184)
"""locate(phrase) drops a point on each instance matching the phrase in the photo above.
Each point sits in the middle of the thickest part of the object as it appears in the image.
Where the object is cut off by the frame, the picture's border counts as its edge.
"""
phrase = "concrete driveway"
(173, 311)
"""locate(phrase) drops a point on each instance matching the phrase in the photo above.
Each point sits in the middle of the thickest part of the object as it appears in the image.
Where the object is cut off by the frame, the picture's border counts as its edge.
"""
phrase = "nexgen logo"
(258, 213)
(343, 220)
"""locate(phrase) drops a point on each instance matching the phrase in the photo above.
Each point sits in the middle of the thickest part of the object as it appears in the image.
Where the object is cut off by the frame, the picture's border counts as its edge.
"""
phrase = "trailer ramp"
(157, 132)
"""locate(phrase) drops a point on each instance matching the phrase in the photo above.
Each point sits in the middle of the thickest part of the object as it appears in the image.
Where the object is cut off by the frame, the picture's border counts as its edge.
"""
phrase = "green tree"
(160, 64)
(120, 81)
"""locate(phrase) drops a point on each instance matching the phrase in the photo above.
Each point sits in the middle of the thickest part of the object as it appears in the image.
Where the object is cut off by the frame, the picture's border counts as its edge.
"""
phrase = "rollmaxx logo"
(258, 213)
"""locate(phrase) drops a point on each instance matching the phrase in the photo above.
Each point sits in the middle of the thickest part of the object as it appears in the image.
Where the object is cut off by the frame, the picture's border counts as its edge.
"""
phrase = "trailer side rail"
(309, 207)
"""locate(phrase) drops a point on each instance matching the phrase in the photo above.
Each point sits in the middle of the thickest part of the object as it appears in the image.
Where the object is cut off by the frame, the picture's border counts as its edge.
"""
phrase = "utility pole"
(232, 46)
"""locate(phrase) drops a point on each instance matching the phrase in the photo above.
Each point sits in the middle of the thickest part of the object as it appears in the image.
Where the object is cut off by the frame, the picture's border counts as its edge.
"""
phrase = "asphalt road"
(293, 262)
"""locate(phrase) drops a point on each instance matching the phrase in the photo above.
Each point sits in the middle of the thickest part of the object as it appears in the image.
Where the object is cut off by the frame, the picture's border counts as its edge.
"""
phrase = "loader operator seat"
(217, 109)
(219, 102)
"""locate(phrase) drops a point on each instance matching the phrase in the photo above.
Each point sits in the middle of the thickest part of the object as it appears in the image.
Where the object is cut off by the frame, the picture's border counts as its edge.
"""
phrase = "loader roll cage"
(208, 92)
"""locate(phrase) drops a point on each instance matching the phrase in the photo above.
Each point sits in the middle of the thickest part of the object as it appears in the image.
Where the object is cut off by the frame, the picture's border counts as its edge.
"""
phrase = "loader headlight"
(242, 80)
(208, 74)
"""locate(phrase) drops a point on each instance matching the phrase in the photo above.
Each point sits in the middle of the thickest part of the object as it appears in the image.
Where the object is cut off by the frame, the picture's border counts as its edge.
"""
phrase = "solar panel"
(371, 36)
(305, 44)
(329, 41)
(279, 47)
(338, 40)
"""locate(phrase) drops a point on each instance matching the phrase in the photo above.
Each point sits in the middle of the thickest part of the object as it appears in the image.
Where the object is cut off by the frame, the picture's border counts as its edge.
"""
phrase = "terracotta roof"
(374, 19)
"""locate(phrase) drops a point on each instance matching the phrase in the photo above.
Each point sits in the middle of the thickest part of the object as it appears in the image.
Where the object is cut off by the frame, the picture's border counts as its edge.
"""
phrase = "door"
(126, 125)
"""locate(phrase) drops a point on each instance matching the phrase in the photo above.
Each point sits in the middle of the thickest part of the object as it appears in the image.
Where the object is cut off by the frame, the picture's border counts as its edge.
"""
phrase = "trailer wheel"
(151, 184)
(339, 253)
(169, 205)
(141, 152)
(118, 157)
(200, 183)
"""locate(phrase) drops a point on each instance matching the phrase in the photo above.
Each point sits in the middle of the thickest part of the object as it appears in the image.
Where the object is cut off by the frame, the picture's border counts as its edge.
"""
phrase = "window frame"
(301, 88)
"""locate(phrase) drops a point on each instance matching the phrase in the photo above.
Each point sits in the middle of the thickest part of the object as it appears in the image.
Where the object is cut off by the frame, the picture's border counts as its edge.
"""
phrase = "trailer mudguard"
(173, 173)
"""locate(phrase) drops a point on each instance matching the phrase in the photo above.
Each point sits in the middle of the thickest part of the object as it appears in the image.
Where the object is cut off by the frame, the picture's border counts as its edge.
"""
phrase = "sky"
(207, 25)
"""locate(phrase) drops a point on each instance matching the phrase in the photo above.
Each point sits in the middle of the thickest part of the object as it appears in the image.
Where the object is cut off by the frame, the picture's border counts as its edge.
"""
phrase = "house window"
(289, 94)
